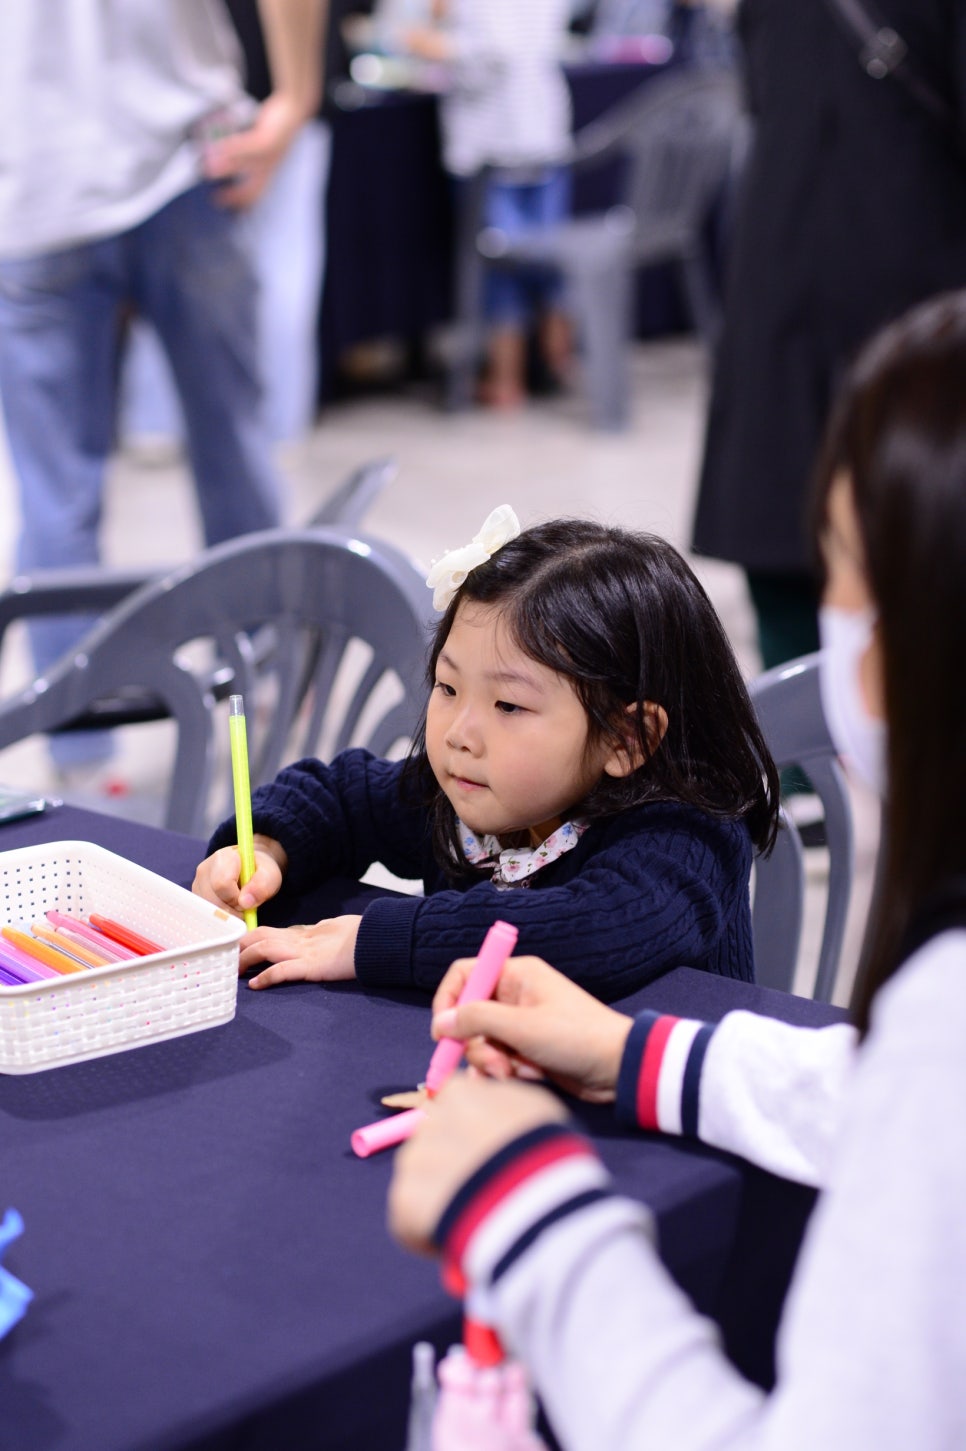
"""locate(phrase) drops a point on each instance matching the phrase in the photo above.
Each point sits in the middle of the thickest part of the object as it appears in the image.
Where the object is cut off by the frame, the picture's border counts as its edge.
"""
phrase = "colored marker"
(60, 940)
(21, 964)
(126, 936)
(243, 797)
(498, 943)
(386, 1132)
(77, 927)
(42, 951)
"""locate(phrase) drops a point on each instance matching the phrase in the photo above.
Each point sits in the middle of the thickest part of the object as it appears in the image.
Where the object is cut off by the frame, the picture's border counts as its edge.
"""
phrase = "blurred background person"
(508, 105)
(851, 208)
(285, 232)
(104, 208)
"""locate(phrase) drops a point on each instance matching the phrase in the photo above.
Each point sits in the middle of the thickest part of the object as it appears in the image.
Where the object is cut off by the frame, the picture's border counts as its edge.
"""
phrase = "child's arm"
(664, 889)
(872, 1333)
(336, 819)
(537, 1024)
(760, 1088)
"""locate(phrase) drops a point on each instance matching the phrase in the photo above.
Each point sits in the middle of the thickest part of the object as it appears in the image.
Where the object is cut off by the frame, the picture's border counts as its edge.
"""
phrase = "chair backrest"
(790, 714)
(325, 633)
(353, 498)
(679, 134)
(90, 589)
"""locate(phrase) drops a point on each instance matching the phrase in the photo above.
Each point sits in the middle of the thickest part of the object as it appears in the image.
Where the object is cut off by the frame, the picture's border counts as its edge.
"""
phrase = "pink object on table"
(483, 1408)
(385, 1132)
(498, 943)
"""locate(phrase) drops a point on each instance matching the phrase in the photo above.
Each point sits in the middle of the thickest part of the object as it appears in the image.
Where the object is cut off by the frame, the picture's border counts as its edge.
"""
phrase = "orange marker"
(126, 936)
(42, 951)
(60, 940)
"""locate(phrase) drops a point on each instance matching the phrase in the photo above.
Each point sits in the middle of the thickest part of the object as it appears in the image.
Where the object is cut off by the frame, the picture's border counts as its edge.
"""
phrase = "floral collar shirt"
(513, 866)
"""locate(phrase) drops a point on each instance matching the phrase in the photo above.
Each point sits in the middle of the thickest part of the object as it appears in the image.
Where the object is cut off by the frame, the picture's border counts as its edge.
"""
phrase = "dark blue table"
(210, 1261)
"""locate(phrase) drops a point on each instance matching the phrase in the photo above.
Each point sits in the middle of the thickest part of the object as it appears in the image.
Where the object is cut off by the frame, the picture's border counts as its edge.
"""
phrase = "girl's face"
(846, 585)
(505, 736)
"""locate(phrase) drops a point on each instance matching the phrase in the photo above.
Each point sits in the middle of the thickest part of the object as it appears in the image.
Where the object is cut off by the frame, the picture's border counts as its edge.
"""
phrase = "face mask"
(858, 736)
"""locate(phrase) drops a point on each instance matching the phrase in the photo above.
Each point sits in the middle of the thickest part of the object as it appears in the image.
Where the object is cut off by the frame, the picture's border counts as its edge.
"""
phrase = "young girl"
(872, 1349)
(508, 105)
(589, 769)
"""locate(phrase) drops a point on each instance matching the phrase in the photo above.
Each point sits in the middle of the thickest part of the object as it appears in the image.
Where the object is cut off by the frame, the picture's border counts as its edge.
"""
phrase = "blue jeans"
(285, 235)
(514, 298)
(61, 317)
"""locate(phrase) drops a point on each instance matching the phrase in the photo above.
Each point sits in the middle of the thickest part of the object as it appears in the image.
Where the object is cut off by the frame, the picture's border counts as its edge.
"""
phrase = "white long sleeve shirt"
(871, 1353)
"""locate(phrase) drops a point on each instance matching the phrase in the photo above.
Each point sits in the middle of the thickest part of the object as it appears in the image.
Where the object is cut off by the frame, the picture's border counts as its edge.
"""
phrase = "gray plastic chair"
(678, 135)
(347, 618)
(790, 714)
(91, 589)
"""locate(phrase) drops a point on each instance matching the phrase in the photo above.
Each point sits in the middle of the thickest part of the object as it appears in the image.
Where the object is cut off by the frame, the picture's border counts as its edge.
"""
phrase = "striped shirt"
(509, 104)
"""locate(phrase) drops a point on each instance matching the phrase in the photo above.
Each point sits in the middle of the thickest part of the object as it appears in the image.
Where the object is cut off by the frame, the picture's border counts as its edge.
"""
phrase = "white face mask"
(858, 736)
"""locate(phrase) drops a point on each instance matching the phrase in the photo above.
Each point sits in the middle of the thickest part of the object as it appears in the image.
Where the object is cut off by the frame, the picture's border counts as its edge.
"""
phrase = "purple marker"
(22, 966)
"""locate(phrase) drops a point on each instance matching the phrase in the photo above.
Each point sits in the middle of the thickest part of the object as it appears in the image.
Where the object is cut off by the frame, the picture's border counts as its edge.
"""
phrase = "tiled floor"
(544, 460)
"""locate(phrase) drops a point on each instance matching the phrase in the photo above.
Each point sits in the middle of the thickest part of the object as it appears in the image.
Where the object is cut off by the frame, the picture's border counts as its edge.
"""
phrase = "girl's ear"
(625, 759)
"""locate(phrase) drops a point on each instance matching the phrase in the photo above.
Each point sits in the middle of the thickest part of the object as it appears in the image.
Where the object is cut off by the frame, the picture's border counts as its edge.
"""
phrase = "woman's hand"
(538, 1024)
(216, 878)
(465, 1125)
(321, 952)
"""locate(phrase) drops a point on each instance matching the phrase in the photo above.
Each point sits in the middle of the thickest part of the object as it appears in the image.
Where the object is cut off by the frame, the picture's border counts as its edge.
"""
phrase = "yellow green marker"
(243, 797)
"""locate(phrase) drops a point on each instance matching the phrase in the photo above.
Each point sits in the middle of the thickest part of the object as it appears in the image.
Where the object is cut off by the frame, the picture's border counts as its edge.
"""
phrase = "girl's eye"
(506, 707)
(444, 688)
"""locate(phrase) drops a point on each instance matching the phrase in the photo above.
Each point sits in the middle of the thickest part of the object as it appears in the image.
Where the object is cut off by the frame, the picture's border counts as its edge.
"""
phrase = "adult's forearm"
(293, 31)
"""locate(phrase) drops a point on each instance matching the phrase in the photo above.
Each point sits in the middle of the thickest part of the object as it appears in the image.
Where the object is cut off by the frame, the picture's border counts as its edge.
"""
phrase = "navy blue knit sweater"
(652, 888)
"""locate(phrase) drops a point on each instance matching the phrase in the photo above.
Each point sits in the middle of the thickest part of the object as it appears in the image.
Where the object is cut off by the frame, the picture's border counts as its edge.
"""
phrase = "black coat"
(851, 208)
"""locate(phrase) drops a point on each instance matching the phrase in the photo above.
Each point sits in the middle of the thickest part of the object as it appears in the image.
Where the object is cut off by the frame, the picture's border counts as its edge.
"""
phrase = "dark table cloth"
(209, 1260)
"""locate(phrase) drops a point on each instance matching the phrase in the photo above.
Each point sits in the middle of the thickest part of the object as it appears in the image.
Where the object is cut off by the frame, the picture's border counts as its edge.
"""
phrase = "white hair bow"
(449, 572)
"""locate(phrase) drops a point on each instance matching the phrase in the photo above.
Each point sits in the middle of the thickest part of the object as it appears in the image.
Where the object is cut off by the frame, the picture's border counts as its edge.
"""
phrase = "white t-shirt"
(99, 98)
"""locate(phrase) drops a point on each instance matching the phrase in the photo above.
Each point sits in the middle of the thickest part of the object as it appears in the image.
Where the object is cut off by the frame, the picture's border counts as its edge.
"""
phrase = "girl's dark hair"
(898, 432)
(625, 620)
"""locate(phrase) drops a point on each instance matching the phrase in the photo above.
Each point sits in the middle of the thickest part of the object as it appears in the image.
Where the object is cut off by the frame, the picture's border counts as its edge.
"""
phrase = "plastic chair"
(90, 589)
(345, 659)
(678, 136)
(790, 714)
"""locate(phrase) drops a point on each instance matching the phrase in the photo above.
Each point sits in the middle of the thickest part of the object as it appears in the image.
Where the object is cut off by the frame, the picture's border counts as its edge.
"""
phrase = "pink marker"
(498, 943)
(99, 940)
(386, 1132)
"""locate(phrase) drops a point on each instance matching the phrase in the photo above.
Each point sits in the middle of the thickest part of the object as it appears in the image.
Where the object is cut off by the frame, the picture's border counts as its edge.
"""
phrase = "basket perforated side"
(104, 1010)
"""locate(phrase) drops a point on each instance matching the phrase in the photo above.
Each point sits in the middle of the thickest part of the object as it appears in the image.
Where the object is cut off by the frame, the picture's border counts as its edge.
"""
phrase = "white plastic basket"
(192, 984)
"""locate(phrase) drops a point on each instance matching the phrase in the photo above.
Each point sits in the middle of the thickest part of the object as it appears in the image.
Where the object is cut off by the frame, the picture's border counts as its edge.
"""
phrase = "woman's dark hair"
(625, 620)
(898, 432)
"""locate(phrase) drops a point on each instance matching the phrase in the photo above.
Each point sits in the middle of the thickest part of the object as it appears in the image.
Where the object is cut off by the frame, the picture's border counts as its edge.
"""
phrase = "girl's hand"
(465, 1125)
(322, 952)
(216, 878)
(538, 1024)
